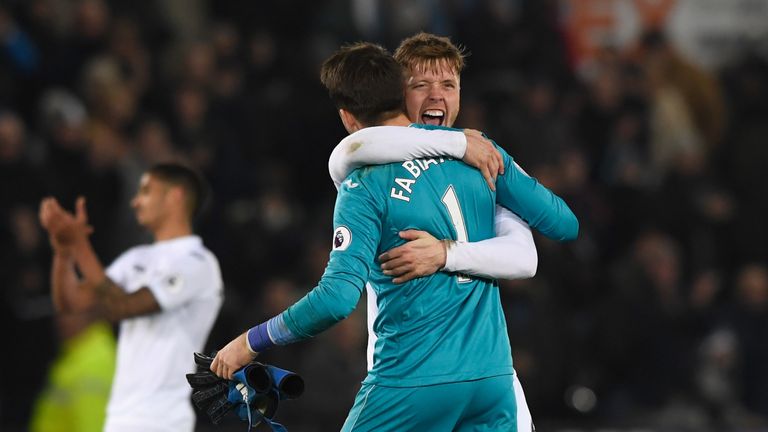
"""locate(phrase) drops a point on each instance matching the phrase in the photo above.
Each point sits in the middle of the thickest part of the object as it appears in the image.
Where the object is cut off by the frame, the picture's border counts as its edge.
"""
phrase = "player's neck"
(173, 230)
(400, 120)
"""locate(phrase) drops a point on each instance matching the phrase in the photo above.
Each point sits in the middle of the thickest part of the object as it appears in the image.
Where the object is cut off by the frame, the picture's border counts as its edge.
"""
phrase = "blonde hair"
(426, 51)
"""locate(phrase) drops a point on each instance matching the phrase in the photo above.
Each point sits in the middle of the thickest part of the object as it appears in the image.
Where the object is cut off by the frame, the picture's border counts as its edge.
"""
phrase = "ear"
(176, 194)
(350, 122)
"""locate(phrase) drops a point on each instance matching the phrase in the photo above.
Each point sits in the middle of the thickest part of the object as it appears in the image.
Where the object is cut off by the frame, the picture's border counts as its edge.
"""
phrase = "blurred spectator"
(81, 157)
(597, 120)
(648, 364)
(25, 306)
(750, 323)
(20, 173)
(75, 398)
(626, 163)
(673, 135)
(715, 376)
(20, 60)
(538, 134)
(27, 310)
(698, 89)
(744, 156)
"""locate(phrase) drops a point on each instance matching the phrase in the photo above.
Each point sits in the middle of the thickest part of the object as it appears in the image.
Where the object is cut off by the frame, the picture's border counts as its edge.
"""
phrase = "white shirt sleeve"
(510, 255)
(379, 145)
(117, 272)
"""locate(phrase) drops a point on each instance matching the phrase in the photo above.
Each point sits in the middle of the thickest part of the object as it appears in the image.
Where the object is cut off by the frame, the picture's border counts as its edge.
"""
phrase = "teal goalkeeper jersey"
(440, 328)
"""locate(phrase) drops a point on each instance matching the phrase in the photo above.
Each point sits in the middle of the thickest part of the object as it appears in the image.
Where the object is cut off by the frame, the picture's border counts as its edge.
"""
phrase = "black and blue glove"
(253, 395)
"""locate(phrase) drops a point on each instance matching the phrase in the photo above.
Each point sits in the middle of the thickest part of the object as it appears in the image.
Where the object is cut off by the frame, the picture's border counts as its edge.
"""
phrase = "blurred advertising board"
(708, 32)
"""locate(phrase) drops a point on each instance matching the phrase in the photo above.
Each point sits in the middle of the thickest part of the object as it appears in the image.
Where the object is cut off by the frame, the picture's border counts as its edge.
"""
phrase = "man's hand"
(423, 255)
(48, 213)
(64, 228)
(483, 155)
(232, 357)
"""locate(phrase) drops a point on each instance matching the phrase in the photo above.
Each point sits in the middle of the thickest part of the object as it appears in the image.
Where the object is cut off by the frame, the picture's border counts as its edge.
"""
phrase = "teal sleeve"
(433, 127)
(534, 203)
(357, 222)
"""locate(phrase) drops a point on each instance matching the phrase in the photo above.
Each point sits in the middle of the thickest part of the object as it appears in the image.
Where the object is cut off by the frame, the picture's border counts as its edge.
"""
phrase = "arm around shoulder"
(379, 145)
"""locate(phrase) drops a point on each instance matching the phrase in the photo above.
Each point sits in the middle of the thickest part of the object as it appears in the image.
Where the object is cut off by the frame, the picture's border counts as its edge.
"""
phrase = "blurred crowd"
(654, 317)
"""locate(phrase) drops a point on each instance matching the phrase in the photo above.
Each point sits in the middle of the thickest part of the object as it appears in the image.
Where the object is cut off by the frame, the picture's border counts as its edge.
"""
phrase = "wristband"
(258, 338)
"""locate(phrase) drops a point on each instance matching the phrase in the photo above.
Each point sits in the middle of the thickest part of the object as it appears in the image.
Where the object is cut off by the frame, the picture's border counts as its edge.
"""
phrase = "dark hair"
(195, 188)
(364, 79)
(427, 51)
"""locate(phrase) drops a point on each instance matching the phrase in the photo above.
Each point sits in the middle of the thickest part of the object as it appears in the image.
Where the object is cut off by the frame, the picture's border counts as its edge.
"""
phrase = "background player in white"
(165, 295)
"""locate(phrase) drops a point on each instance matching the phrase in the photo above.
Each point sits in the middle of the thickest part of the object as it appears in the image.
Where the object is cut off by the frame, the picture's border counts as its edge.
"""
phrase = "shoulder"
(195, 265)
(363, 188)
(191, 255)
(367, 177)
(199, 256)
(434, 127)
(137, 250)
(131, 254)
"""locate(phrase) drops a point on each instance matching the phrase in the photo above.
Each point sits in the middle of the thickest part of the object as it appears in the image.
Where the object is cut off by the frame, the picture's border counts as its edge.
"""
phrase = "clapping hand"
(64, 228)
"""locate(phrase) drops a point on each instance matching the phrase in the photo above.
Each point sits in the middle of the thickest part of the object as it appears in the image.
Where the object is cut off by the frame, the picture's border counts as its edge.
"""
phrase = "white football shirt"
(154, 352)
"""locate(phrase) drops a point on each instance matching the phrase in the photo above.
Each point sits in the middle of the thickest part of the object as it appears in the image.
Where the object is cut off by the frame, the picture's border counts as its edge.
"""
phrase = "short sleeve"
(117, 271)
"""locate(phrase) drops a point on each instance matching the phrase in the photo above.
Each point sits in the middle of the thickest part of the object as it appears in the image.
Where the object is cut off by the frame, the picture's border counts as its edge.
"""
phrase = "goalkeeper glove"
(253, 394)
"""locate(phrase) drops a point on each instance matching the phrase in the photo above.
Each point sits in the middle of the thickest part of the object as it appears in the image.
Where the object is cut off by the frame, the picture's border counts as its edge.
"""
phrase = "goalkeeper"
(441, 359)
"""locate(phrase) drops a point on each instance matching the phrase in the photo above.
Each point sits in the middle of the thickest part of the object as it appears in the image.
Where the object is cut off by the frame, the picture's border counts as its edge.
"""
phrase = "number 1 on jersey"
(451, 202)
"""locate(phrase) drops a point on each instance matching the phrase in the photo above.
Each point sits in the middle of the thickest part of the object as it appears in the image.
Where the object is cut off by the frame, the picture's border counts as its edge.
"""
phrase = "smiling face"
(432, 94)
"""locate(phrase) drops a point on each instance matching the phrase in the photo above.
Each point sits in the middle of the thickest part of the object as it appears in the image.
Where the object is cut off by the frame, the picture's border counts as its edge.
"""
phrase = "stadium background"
(654, 319)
